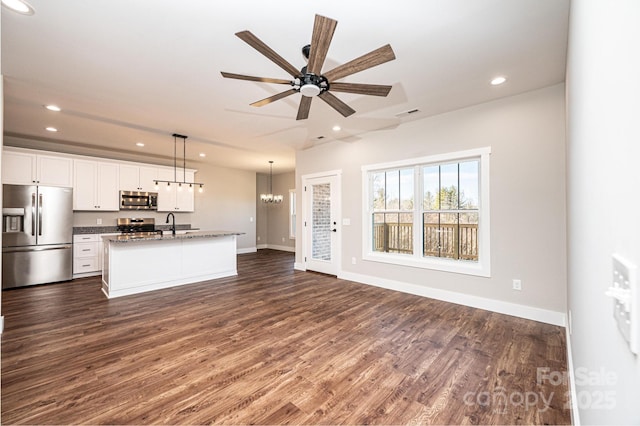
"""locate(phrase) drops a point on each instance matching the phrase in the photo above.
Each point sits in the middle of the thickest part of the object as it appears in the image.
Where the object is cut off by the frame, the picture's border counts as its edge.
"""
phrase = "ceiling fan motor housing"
(312, 85)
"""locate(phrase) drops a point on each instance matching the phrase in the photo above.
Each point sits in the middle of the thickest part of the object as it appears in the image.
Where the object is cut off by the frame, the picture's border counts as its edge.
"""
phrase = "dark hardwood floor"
(272, 346)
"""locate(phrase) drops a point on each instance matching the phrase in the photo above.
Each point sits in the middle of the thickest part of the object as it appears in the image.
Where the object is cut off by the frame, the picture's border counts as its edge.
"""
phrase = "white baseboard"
(276, 247)
(514, 309)
(247, 250)
(281, 248)
(299, 266)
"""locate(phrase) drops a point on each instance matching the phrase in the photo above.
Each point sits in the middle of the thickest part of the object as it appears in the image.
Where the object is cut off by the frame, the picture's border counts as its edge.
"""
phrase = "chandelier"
(270, 198)
(184, 168)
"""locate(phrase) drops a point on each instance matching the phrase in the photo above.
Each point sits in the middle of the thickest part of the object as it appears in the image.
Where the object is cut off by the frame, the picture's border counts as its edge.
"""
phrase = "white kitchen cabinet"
(22, 168)
(137, 178)
(173, 198)
(86, 249)
(87, 254)
(95, 186)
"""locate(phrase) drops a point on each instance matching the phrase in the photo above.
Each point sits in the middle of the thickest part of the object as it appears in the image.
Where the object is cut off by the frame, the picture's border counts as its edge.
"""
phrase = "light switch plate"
(626, 301)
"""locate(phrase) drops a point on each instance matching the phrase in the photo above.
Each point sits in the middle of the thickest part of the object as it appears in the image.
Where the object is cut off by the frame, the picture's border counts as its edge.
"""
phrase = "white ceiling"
(126, 71)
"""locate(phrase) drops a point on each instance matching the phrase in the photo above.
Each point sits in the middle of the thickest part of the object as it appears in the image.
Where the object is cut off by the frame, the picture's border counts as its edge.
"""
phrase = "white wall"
(227, 203)
(526, 134)
(603, 103)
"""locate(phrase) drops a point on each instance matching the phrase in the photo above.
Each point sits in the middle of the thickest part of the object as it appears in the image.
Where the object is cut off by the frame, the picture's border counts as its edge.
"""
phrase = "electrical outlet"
(283, 239)
(626, 301)
(353, 260)
(258, 237)
(517, 285)
(98, 221)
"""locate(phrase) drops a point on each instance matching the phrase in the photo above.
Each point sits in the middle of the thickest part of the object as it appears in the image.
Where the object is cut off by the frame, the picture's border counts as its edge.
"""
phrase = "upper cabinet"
(21, 168)
(138, 178)
(95, 186)
(96, 183)
(173, 198)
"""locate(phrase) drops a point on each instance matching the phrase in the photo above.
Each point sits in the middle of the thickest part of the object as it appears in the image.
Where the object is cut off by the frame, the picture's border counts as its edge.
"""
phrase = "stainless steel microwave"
(136, 200)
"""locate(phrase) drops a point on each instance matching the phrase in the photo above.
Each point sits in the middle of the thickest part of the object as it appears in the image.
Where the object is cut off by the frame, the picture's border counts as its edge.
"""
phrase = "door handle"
(40, 216)
(33, 214)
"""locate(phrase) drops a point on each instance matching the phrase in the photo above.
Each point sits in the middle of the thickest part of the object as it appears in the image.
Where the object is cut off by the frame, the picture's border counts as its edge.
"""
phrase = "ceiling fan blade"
(366, 61)
(336, 104)
(361, 89)
(274, 98)
(323, 29)
(305, 106)
(250, 78)
(259, 45)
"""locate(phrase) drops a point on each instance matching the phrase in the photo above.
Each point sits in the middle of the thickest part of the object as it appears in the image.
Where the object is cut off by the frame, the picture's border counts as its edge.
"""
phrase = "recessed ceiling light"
(139, 144)
(202, 154)
(498, 81)
(55, 108)
(336, 128)
(51, 129)
(19, 6)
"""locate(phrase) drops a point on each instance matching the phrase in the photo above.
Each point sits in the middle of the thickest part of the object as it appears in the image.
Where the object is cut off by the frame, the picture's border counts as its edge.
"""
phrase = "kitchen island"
(136, 264)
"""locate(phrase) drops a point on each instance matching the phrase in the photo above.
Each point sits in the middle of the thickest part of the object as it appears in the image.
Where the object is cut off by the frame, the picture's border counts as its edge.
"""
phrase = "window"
(292, 214)
(430, 212)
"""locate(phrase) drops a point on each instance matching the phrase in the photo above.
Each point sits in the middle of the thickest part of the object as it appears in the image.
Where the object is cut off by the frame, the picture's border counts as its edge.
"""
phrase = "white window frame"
(480, 268)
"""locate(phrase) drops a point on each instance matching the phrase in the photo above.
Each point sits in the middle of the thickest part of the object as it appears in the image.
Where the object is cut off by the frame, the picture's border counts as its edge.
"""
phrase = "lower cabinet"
(87, 254)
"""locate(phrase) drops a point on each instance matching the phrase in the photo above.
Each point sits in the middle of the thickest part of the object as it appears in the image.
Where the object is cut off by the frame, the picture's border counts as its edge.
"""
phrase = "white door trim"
(336, 197)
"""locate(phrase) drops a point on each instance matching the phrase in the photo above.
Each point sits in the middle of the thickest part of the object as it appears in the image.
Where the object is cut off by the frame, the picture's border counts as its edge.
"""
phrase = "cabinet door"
(129, 180)
(84, 185)
(54, 171)
(107, 192)
(18, 168)
(148, 176)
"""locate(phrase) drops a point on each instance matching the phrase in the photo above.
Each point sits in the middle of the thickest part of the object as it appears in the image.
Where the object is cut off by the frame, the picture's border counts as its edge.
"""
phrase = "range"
(138, 226)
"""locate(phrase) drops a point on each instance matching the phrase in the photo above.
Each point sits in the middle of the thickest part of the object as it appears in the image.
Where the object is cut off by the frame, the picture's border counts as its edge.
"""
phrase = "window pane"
(448, 237)
(393, 232)
(406, 189)
(378, 181)
(469, 186)
(431, 234)
(449, 187)
(431, 187)
(321, 222)
(392, 190)
(469, 236)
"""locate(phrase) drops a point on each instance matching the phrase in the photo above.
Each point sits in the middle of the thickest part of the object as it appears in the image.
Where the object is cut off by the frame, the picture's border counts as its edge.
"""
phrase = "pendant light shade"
(271, 198)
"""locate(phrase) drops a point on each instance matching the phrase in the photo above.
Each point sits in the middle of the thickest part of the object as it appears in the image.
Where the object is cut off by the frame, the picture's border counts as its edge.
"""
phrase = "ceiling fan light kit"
(309, 81)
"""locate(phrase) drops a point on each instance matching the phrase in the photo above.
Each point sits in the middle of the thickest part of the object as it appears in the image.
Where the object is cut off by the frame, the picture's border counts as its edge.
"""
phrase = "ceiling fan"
(309, 81)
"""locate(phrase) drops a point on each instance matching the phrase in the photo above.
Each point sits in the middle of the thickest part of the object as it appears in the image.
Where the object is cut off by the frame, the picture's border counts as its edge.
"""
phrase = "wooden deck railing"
(455, 241)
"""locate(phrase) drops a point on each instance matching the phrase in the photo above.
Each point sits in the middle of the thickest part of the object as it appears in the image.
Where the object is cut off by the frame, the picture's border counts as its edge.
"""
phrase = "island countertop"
(168, 237)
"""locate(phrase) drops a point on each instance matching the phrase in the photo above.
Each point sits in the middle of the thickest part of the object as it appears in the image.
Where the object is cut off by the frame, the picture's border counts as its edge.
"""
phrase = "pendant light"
(270, 198)
(189, 185)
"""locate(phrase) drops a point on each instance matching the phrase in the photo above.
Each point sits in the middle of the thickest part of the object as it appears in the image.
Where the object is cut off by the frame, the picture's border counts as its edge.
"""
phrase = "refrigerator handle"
(33, 214)
(40, 214)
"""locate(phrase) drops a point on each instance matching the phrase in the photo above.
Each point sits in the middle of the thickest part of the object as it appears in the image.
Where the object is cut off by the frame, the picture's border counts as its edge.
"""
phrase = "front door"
(322, 233)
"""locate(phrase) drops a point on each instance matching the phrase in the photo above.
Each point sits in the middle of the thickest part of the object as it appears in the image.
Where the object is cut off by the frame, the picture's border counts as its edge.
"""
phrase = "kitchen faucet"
(173, 224)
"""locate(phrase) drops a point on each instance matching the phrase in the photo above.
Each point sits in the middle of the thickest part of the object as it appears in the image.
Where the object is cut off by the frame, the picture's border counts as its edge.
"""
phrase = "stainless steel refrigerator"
(37, 233)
